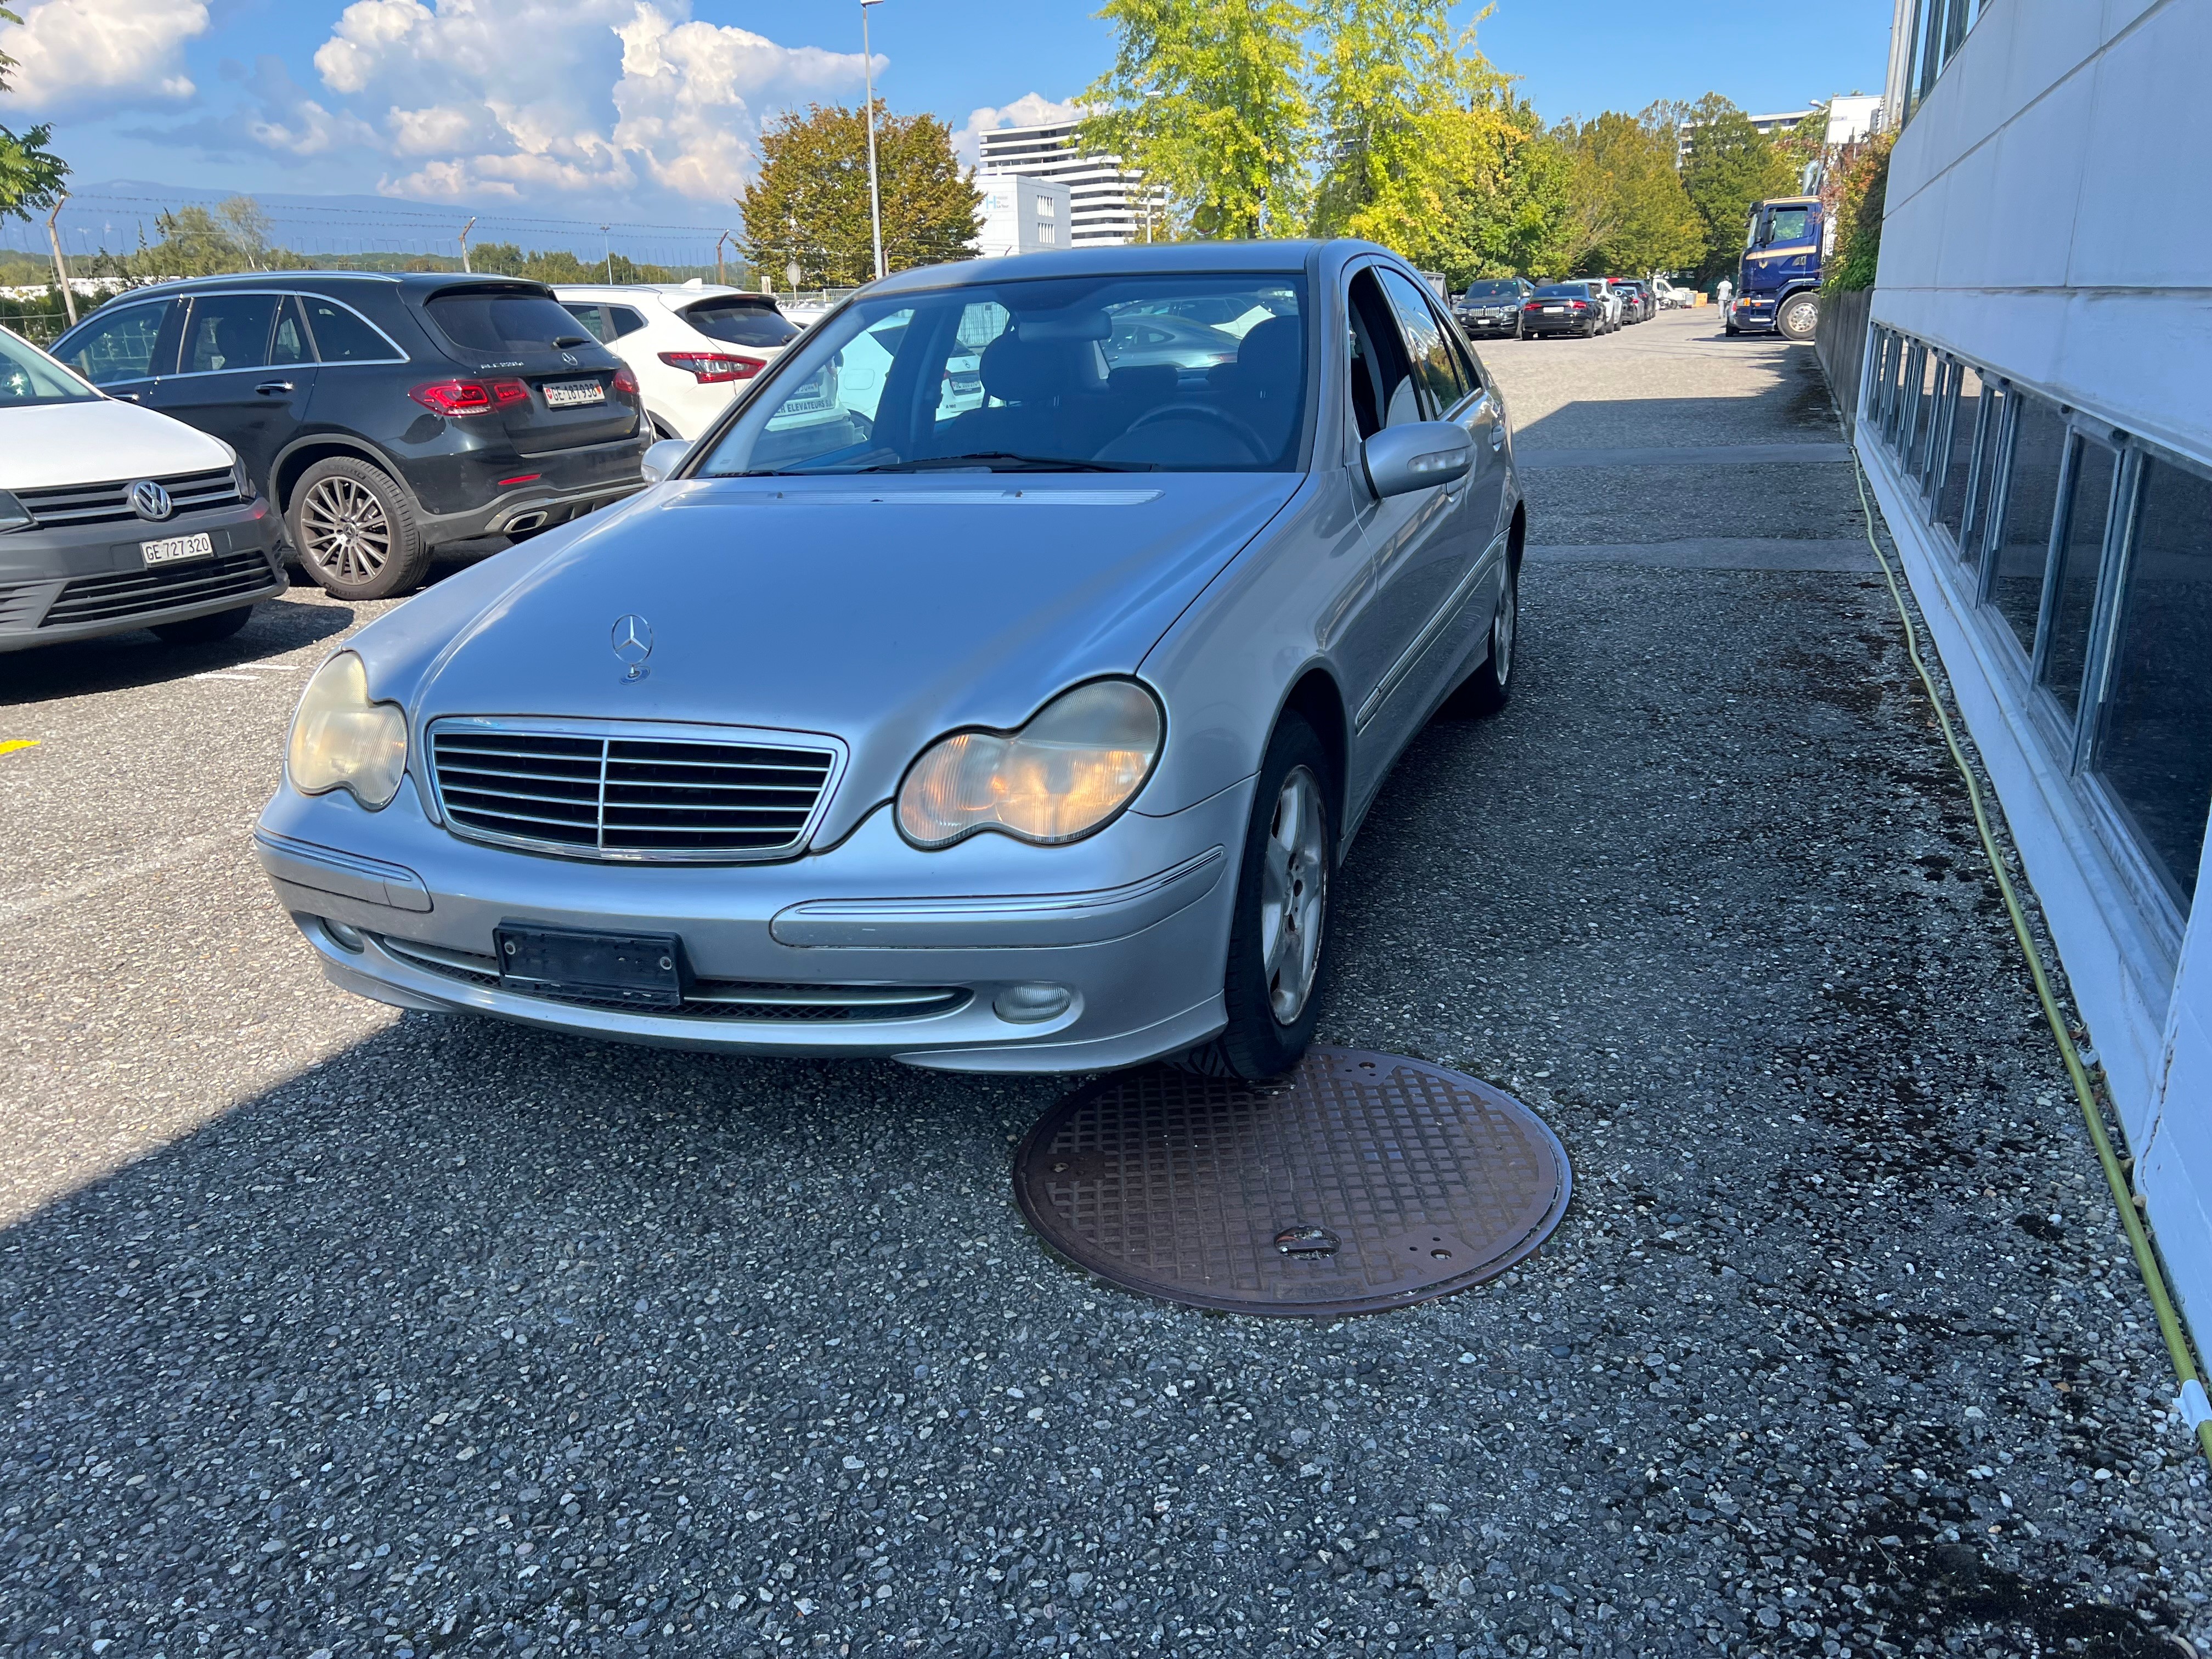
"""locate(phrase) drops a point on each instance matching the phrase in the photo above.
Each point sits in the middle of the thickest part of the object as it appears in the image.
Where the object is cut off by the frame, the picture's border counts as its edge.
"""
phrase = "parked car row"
(1515, 306)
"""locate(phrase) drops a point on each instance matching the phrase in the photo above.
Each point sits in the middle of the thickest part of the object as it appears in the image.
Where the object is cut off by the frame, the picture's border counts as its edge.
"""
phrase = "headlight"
(1073, 766)
(12, 516)
(341, 740)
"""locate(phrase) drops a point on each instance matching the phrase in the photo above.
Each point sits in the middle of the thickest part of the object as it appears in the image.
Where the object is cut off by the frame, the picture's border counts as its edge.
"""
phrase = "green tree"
(1860, 204)
(1730, 164)
(1628, 212)
(1514, 214)
(1804, 143)
(810, 204)
(31, 176)
(197, 241)
(1207, 100)
(552, 265)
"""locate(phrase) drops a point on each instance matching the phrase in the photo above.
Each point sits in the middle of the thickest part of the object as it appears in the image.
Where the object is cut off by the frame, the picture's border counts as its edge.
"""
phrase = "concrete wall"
(2046, 219)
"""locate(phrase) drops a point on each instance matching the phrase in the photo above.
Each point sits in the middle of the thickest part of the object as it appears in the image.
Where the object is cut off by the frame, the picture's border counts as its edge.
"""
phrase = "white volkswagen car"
(693, 346)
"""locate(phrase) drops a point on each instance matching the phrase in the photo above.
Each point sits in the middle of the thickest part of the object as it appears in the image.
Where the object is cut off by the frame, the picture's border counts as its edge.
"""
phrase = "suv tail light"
(1582, 305)
(709, 366)
(625, 382)
(459, 398)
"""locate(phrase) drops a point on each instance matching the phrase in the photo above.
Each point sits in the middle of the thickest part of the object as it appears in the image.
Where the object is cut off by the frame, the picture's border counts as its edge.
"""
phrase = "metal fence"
(1840, 342)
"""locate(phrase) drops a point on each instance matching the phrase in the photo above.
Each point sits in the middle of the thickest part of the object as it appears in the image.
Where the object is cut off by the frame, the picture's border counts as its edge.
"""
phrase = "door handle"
(271, 388)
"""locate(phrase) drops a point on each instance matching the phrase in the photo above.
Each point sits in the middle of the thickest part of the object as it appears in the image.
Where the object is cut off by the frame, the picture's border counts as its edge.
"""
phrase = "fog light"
(345, 937)
(1025, 1004)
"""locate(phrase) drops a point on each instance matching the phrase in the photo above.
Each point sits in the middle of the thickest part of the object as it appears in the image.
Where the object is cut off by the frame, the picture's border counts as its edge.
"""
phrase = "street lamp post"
(875, 197)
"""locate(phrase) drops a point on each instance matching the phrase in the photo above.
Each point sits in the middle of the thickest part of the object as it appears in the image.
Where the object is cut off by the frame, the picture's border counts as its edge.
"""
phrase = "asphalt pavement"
(333, 1331)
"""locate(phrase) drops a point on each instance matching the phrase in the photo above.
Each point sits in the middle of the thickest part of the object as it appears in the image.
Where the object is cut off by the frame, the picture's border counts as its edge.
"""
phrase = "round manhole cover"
(1358, 1182)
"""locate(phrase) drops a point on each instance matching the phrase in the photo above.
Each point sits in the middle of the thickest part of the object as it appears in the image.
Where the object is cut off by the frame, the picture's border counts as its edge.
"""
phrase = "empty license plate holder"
(642, 970)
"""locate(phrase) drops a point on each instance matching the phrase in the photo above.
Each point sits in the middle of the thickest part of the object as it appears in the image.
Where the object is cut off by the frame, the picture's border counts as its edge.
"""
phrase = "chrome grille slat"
(630, 794)
(110, 503)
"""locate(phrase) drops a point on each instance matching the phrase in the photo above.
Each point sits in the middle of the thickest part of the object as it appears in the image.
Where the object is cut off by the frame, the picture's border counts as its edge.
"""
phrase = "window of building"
(1939, 29)
(2023, 548)
(1957, 475)
(1942, 386)
(1973, 533)
(2092, 469)
(2151, 755)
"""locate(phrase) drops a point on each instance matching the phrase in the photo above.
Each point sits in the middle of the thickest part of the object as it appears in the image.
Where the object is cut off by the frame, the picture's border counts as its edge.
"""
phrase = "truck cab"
(1778, 279)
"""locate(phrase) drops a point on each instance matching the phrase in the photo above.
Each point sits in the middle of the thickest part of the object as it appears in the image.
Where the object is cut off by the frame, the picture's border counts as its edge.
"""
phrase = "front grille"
(725, 999)
(110, 503)
(169, 587)
(629, 797)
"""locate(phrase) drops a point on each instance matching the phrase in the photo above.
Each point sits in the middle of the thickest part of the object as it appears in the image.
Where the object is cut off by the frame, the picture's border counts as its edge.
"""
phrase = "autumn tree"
(809, 204)
(1731, 165)
(1207, 100)
(1628, 212)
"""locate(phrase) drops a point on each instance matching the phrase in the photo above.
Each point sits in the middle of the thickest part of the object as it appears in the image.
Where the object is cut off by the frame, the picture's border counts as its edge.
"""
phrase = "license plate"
(641, 969)
(1554, 307)
(573, 394)
(170, 549)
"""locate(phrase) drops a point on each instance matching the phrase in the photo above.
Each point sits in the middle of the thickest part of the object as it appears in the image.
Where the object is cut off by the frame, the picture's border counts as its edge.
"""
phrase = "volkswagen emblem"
(150, 500)
(569, 358)
(633, 643)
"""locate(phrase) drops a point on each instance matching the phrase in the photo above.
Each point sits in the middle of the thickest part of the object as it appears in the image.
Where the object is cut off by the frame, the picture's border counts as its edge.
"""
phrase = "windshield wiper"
(1003, 460)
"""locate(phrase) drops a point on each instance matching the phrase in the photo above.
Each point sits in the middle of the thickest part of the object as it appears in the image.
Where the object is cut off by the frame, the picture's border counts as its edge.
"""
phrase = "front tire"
(354, 530)
(203, 630)
(1799, 317)
(1279, 941)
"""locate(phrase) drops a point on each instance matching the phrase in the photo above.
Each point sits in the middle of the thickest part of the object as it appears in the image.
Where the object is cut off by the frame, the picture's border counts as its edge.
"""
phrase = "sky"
(647, 112)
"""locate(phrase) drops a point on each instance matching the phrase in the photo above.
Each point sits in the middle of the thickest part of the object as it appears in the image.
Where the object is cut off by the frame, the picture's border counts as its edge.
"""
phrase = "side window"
(228, 332)
(625, 321)
(1383, 392)
(1434, 365)
(341, 337)
(590, 316)
(289, 344)
(961, 388)
(118, 345)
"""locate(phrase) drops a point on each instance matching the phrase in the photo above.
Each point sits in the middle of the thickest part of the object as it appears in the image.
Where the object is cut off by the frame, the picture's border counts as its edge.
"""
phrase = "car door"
(244, 372)
(124, 348)
(1412, 560)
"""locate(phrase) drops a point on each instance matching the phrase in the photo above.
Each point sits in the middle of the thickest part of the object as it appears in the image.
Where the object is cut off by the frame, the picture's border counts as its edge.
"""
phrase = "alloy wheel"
(345, 530)
(1292, 885)
(1501, 633)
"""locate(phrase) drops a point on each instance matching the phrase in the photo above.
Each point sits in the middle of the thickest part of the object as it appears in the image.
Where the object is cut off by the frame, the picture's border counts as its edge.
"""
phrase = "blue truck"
(1778, 281)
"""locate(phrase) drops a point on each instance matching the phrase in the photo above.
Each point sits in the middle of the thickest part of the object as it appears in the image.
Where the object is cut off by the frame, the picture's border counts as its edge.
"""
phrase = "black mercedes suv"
(384, 415)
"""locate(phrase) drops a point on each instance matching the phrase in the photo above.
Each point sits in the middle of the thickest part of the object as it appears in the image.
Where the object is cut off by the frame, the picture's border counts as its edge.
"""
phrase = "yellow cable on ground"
(2154, 1277)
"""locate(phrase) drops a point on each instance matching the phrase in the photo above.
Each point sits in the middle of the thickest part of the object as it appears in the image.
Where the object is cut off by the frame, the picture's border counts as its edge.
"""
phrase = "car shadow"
(125, 661)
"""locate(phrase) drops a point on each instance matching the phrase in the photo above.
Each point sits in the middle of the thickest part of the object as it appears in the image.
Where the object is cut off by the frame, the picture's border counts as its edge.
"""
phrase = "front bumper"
(88, 581)
(872, 948)
(1752, 315)
(1480, 322)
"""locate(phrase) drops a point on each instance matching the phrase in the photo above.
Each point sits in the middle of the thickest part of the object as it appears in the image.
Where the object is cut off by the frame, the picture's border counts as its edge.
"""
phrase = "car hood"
(882, 612)
(100, 439)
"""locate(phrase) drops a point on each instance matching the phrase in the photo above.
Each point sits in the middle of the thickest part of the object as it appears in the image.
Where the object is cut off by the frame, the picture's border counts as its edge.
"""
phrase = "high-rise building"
(1107, 204)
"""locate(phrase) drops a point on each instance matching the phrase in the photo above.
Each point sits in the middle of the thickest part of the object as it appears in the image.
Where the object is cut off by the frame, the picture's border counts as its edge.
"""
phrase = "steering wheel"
(1234, 425)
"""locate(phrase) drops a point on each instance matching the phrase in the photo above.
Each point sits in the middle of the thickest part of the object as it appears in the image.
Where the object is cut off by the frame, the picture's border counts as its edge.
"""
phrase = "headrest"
(1271, 361)
(1018, 371)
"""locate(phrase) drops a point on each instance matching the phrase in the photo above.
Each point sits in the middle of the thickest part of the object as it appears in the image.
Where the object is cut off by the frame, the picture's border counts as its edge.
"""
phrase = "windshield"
(28, 376)
(1492, 290)
(1790, 225)
(1148, 372)
(742, 322)
(505, 322)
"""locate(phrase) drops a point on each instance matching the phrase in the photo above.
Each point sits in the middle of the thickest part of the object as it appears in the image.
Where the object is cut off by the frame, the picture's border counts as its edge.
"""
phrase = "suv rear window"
(503, 322)
(740, 323)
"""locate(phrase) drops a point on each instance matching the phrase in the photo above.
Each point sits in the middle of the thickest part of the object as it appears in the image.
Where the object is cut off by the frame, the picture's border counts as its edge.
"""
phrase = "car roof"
(1196, 258)
(423, 283)
(670, 291)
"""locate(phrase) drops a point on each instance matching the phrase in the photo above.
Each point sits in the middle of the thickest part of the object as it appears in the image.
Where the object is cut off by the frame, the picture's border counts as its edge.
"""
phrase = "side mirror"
(664, 457)
(1400, 459)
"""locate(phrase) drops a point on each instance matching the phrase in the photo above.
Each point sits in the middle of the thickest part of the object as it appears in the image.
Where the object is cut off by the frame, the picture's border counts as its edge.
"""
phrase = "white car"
(1671, 297)
(692, 345)
(114, 518)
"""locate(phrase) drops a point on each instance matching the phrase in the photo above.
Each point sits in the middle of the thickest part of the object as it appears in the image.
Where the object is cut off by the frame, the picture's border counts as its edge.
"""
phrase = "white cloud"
(1031, 109)
(598, 97)
(72, 51)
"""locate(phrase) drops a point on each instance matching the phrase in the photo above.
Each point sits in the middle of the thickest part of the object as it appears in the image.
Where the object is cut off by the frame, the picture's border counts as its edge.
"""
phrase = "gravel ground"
(332, 1331)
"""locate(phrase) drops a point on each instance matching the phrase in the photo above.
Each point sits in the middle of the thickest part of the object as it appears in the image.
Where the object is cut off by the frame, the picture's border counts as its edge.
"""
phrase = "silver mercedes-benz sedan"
(1023, 735)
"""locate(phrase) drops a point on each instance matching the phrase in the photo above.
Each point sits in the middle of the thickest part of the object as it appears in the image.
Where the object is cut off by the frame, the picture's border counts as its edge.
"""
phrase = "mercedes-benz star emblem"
(633, 643)
(150, 500)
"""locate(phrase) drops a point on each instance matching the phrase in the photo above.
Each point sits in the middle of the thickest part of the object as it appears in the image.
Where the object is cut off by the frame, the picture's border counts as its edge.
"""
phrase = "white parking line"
(249, 678)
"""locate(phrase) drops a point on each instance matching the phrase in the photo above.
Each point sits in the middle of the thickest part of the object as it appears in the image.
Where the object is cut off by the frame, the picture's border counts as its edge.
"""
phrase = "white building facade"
(1024, 216)
(2035, 416)
(1106, 205)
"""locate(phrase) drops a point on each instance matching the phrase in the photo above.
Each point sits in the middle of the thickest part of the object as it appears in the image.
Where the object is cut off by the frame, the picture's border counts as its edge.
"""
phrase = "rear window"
(1491, 290)
(739, 323)
(1564, 291)
(341, 336)
(504, 322)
